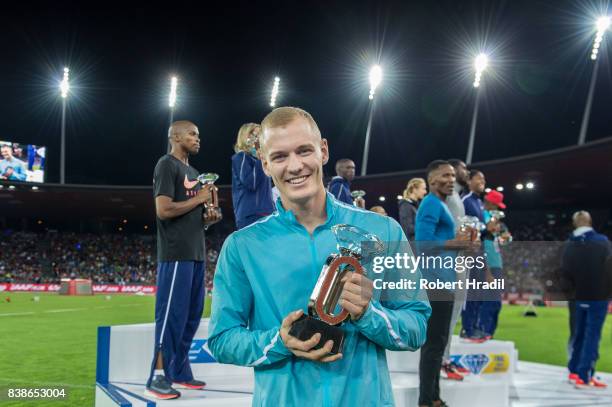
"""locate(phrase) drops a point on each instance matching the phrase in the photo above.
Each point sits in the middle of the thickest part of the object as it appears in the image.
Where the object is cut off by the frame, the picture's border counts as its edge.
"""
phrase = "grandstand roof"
(566, 177)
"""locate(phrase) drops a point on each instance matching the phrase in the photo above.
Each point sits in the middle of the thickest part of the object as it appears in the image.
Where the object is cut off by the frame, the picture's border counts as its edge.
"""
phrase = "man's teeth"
(297, 180)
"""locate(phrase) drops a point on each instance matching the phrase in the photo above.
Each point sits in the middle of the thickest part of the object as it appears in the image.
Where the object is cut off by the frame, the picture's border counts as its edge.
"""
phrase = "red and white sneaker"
(191, 385)
(581, 385)
(460, 369)
(598, 384)
(571, 379)
(449, 373)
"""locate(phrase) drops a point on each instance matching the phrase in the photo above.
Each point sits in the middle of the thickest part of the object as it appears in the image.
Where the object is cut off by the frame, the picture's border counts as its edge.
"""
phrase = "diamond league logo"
(475, 362)
(199, 352)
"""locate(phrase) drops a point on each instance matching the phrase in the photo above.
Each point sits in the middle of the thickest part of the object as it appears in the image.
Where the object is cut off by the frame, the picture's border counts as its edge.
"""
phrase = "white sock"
(158, 372)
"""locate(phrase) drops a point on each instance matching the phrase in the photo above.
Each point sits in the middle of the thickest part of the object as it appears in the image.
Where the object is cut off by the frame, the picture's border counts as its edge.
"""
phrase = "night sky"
(122, 56)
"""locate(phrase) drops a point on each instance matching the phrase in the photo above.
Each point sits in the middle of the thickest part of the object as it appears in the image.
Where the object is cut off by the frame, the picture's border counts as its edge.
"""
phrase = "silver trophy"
(209, 178)
(322, 317)
(356, 195)
(471, 225)
(497, 215)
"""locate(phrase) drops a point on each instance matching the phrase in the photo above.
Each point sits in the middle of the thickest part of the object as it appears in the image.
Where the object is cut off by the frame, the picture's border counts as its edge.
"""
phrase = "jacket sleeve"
(335, 188)
(248, 170)
(406, 218)
(427, 218)
(398, 321)
(230, 340)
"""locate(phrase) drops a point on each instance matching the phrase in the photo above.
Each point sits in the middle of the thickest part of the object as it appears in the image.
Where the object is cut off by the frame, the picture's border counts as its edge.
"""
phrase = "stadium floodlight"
(172, 97)
(603, 23)
(274, 92)
(376, 75)
(530, 185)
(64, 90)
(382, 198)
(487, 190)
(480, 64)
(375, 79)
(400, 197)
(65, 83)
(601, 26)
(519, 186)
(171, 104)
(500, 189)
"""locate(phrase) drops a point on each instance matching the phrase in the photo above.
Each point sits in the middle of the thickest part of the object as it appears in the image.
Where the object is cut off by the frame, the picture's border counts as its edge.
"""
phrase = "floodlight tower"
(171, 104)
(376, 75)
(603, 23)
(64, 90)
(480, 64)
(274, 91)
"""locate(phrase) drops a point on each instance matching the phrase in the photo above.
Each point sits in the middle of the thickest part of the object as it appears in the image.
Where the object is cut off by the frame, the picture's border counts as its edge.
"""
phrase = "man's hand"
(303, 349)
(493, 226)
(204, 195)
(356, 294)
(463, 241)
(360, 202)
(212, 216)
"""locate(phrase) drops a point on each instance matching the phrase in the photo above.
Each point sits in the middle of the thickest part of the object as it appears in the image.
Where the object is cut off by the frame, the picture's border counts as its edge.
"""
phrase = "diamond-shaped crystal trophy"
(356, 195)
(322, 317)
(471, 225)
(209, 178)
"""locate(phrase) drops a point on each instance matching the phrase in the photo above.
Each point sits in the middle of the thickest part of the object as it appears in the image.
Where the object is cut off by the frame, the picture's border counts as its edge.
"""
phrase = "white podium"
(125, 353)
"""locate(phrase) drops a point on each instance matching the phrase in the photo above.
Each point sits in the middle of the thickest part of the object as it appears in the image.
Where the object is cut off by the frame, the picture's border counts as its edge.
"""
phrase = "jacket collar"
(331, 206)
(582, 230)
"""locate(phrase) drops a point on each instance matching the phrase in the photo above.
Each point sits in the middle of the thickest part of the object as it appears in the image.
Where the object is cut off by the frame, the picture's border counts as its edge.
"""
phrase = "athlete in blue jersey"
(266, 273)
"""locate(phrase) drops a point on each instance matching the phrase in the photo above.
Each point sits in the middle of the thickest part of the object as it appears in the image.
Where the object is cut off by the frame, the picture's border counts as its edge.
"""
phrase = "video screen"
(22, 162)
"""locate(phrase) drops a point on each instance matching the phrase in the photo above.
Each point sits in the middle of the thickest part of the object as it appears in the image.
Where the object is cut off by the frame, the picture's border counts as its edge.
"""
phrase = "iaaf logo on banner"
(105, 288)
(98, 288)
(29, 287)
(147, 289)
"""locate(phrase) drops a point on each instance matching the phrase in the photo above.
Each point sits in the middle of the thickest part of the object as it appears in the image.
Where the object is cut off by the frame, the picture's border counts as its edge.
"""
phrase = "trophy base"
(306, 326)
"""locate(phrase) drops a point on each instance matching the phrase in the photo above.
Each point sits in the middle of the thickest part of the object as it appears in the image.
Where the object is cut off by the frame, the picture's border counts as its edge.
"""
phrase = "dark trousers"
(432, 351)
(472, 307)
(589, 320)
(490, 308)
(571, 304)
(179, 303)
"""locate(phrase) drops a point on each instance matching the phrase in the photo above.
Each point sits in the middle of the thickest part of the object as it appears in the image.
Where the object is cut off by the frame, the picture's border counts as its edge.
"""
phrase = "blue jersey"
(268, 269)
(491, 247)
(435, 225)
(473, 206)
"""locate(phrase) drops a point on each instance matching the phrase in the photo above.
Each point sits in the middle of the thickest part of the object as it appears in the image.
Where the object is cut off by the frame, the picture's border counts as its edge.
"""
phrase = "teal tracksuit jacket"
(269, 269)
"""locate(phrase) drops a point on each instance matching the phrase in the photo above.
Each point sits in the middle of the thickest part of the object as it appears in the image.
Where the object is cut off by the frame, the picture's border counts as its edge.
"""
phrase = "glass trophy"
(356, 195)
(353, 245)
(209, 178)
(471, 225)
(497, 215)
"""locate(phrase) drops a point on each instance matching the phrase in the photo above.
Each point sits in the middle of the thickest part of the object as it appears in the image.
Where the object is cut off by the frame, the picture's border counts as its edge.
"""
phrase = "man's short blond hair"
(282, 116)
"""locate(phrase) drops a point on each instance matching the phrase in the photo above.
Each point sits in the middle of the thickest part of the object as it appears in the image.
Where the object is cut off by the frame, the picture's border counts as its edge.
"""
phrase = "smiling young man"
(266, 273)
